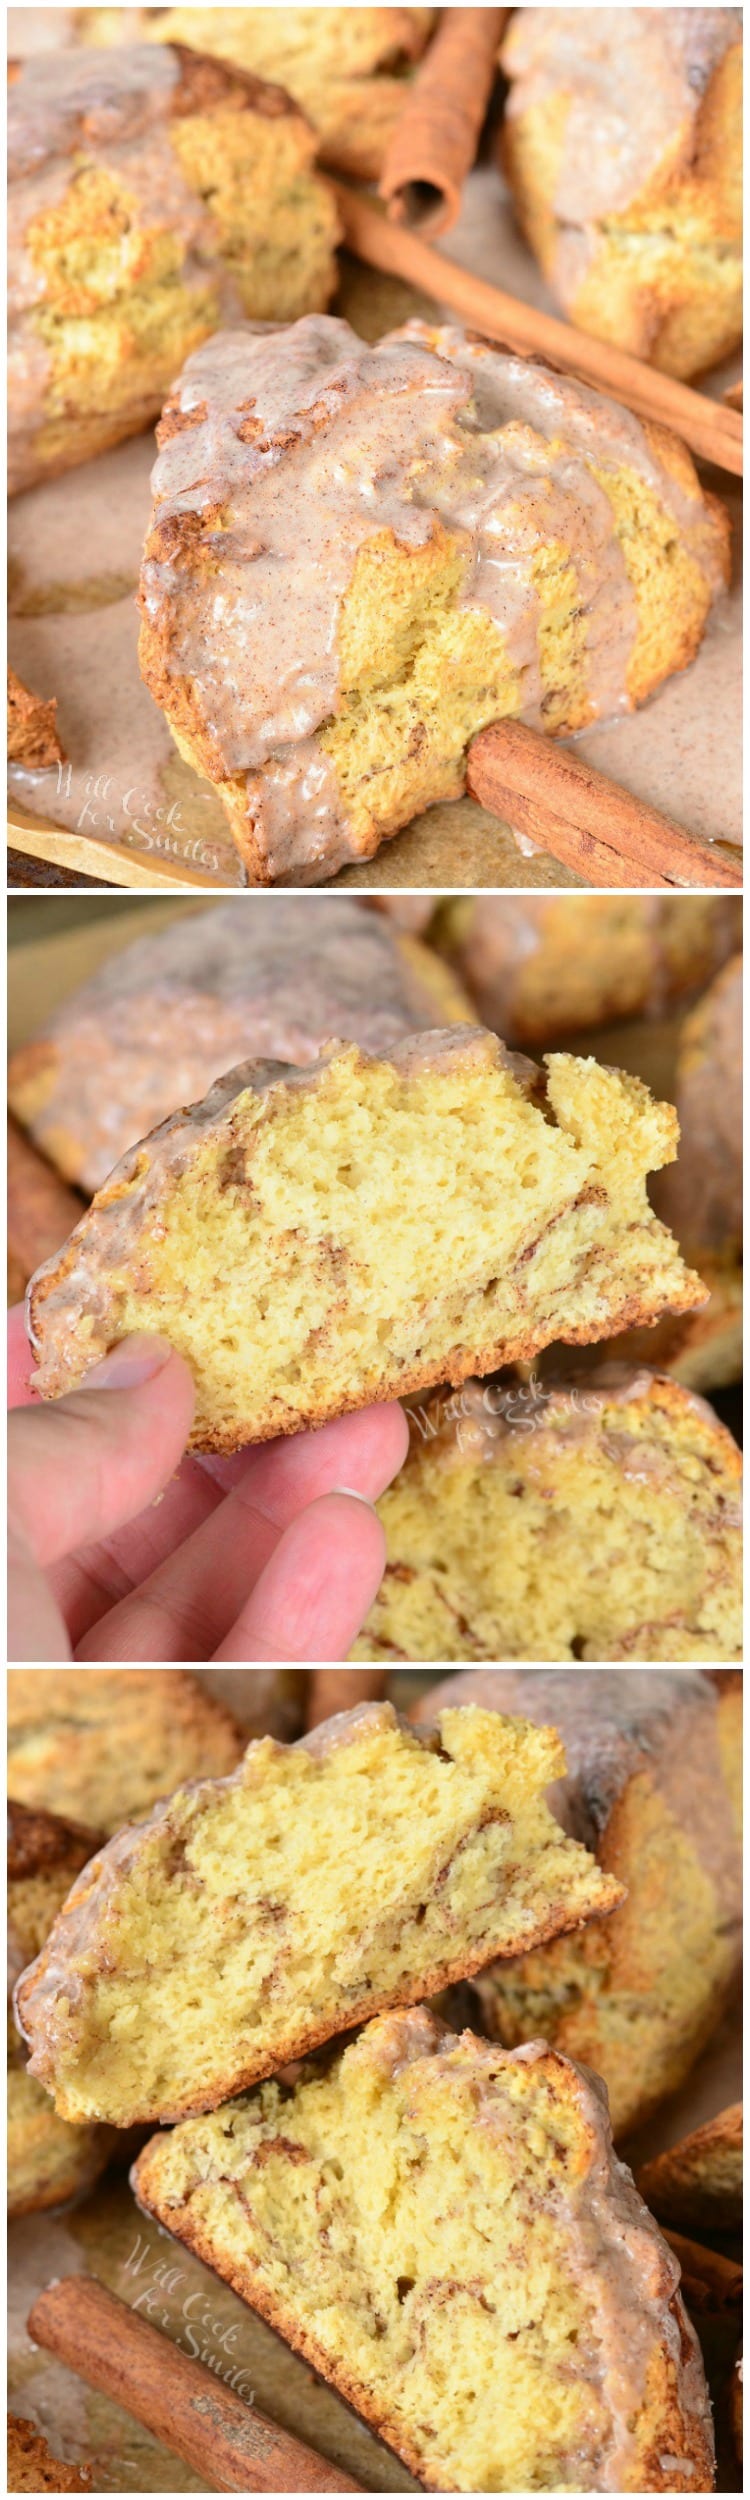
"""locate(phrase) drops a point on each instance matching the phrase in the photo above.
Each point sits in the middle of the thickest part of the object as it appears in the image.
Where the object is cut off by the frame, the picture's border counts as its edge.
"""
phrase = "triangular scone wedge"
(441, 2228)
(253, 1917)
(315, 1238)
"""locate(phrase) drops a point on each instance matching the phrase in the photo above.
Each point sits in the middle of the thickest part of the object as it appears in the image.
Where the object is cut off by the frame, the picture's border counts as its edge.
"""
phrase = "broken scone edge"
(53, 1975)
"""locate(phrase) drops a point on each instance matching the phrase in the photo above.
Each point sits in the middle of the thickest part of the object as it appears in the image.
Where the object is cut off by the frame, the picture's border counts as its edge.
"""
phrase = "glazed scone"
(485, 2287)
(347, 68)
(593, 1519)
(49, 2162)
(366, 627)
(31, 2465)
(32, 736)
(153, 195)
(103, 1743)
(540, 966)
(254, 1917)
(653, 1788)
(697, 2184)
(166, 1016)
(622, 144)
(312, 1239)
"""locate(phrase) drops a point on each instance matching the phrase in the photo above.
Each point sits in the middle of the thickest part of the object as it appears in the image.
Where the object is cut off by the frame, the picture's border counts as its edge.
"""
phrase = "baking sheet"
(105, 2235)
(132, 812)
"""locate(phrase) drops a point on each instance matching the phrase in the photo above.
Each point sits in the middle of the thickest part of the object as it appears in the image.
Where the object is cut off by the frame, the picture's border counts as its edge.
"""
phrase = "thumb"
(85, 1465)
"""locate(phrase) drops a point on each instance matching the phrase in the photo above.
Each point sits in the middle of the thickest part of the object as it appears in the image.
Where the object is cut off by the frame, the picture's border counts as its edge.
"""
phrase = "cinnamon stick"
(341, 1688)
(708, 2281)
(41, 1210)
(435, 141)
(192, 2412)
(712, 431)
(607, 835)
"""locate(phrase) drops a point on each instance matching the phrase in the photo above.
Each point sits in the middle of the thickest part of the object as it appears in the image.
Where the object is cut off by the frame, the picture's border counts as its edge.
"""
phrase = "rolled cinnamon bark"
(341, 1688)
(117, 2351)
(435, 141)
(41, 1211)
(591, 824)
(708, 2281)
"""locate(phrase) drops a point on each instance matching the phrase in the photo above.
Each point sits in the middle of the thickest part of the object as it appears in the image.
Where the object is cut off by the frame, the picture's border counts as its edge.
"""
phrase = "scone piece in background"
(347, 68)
(103, 1743)
(164, 1017)
(654, 1788)
(697, 2184)
(154, 194)
(31, 2465)
(32, 736)
(598, 1518)
(254, 1917)
(351, 500)
(622, 145)
(701, 1199)
(541, 966)
(48, 2161)
(41, 1210)
(312, 1239)
(485, 2286)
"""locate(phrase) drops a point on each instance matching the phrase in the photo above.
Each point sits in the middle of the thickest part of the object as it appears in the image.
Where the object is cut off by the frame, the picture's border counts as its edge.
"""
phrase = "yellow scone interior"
(312, 1239)
(253, 1917)
(440, 2229)
(622, 144)
(654, 1787)
(597, 1518)
(360, 556)
(48, 2161)
(346, 67)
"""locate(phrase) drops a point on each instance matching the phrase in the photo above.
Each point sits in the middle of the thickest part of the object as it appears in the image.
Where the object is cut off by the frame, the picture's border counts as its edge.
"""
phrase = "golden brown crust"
(697, 2183)
(32, 726)
(32, 2466)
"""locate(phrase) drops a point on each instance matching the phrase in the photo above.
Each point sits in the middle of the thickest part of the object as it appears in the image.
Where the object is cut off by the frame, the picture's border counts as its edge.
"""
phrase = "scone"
(31, 2465)
(32, 736)
(697, 2184)
(347, 68)
(326, 619)
(166, 1016)
(103, 1743)
(41, 1210)
(254, 1917)
(622, 144)
(654, 1788)
(441, 2230)
(702, 1197)
(540, 966)
(153, 195)
(49, 2162)
(593, 1519)
(312, 1239)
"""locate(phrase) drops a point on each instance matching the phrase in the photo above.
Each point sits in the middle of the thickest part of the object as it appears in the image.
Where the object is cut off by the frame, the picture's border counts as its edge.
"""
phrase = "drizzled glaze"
(287, 451)
(633, 98)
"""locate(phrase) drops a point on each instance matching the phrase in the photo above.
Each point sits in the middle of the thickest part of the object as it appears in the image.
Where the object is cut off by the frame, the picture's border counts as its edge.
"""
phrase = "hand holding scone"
(118, 1550)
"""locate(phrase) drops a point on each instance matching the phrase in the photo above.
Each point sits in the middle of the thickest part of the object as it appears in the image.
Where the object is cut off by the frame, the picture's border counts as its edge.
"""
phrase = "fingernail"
(128, 1364)
(351, 1495)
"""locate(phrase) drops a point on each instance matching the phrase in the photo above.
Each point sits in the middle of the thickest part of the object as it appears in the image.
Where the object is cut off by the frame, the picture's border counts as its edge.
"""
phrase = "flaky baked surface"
(165, 1017)
(31, 726)
(697, 2183)
(251, 1918)
(597, 1518)
(31, 2465)
(622, 145)
(347, 68)
(154, 193)
(358, 495)
(653, 1784)
(486, 2287)
(103, 1743)
(312, 1239)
